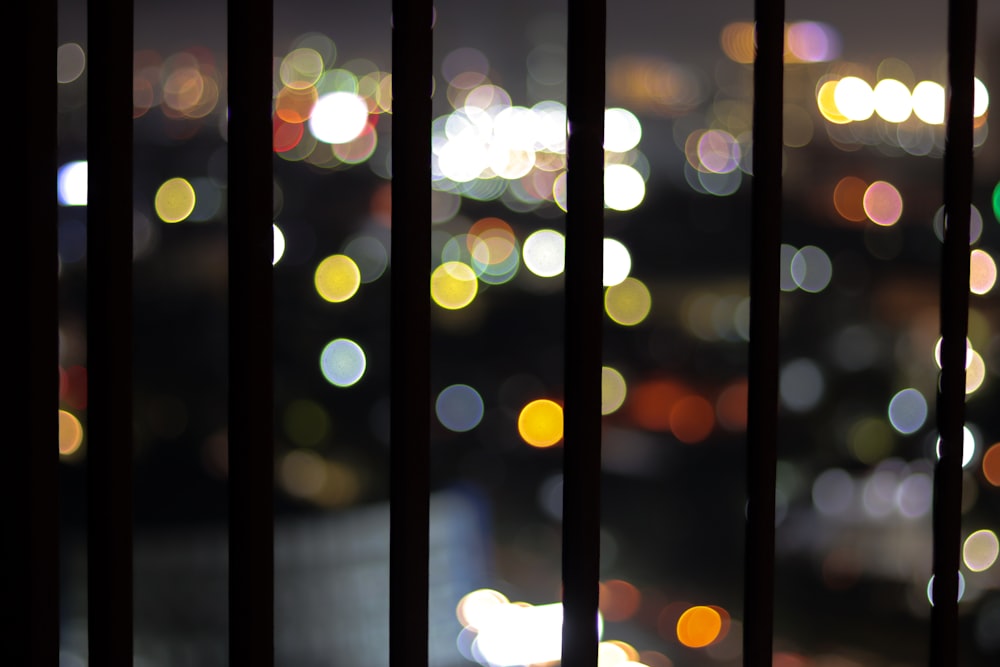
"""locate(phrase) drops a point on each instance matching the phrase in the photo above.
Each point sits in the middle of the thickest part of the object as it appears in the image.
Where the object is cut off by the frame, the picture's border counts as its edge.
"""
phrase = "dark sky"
(910, 29)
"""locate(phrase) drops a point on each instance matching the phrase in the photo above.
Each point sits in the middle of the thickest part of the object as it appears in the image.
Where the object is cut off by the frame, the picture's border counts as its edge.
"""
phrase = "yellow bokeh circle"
(613, 390)
(454, 285)
(541, 423)
(174, 200)
(337, 278)
(699, 626)
(628, 303)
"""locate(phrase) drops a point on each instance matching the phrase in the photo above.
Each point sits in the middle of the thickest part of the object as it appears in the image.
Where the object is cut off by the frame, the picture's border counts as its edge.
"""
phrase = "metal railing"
(31, 613)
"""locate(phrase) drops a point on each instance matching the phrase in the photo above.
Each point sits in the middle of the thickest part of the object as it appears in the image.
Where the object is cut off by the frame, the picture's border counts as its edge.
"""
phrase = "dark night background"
(853, 544)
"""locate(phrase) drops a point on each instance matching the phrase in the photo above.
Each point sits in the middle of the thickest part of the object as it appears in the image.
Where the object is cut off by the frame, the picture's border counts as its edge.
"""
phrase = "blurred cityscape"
(864, 136)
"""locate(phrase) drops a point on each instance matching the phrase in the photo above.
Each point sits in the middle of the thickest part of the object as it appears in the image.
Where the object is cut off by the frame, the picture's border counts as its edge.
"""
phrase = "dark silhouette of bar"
(584, 318)
(109, 332)
(30, 570)
(762, 402)
(947, 516)
(410, 346)
(251, 375)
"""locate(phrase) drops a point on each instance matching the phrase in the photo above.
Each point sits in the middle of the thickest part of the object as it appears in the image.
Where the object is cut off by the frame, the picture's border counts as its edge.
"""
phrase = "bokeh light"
(975, 373)
(301, 68)
(540, 423)
(174, 200)
(337, 278)
(613, 390)
(617, 262)
(72, 183)
(622, 130)
(930, 588)
(811, 42)
(981, 98)
(854, 98)
(738, 42)
(343, 362)
(544, 253)
(914, 495)
(833, 492)
(628, 303)
(968, 446)
(70, 433)
(454, 285)
(975, 224)
(811, 269)
(302, 473)
(929, 102)
(827, 104)
(370, 254)
(848, 198)
(893, 102)
(870, 439)
(70, 62)
(907, 411)
(980, 550)
(306, 422)
(982, 272)
(295, 105)
(731, 406)
(619, 601)
(651, 402)
(692, 419)
(883, 204)
(475, 607)
(338, 117)
(459, 408)
(699, 626)
(624, 188)
(968, 352)
(991, 464)
(801, 385)
(522, 634)
(278, 245)
(717, 151)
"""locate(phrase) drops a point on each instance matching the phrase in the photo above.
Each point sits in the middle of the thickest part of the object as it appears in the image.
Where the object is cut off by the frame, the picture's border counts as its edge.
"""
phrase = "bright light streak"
(512, 635)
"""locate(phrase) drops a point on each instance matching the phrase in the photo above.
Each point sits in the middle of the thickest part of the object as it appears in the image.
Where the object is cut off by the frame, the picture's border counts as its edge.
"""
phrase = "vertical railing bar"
(410, 337)
(584, 318)
(109, 332)
(762, 403)
(947, 515)
(251, 374)
(30, 618)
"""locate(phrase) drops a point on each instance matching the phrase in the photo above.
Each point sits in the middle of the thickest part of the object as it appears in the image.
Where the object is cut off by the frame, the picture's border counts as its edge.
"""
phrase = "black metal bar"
(251, 335)
(762, 403)
(410, 346)
(584, 317)
(947, 516)
(30, 570)
(109, 332)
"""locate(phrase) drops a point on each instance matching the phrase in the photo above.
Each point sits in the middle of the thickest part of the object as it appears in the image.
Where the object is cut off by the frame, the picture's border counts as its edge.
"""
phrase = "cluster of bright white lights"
(500, 633)
(488, 139)
(854, 99)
